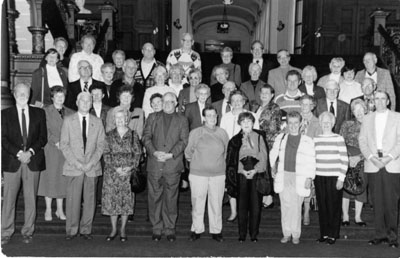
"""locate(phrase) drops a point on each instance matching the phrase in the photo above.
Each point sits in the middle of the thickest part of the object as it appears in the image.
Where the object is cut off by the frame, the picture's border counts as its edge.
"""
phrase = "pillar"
(379, 19)
(37, 29)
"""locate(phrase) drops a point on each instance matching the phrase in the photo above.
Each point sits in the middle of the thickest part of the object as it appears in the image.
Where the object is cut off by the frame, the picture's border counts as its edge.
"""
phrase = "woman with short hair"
(235, 74)
(221, 74)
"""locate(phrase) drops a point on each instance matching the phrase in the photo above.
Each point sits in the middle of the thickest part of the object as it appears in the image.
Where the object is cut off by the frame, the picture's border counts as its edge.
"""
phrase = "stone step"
(270, 226)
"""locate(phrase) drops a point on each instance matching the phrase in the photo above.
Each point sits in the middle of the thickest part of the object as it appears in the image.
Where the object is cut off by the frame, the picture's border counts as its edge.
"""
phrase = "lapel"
(77, 126)
(173, 122)
(54, 115)
(31, 126)
(14, 113)
(379, 74)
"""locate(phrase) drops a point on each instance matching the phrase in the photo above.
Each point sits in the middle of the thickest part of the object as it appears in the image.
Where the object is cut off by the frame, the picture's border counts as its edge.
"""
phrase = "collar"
(370, 74)
(90, 81)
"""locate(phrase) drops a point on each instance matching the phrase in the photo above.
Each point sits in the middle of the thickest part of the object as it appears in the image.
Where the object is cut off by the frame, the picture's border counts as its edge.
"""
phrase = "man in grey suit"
(23, 137)
(379, 141)
(165, 137)
(380, 76)
(82, 143)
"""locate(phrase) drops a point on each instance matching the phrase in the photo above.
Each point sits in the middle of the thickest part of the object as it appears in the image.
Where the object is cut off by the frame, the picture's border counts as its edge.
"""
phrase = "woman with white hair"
(331, 167)
(235, 74)
(335, 66)
(309, 76)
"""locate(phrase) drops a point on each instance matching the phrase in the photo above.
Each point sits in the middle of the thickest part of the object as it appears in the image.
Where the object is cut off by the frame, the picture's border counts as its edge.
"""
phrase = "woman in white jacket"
(294, 156)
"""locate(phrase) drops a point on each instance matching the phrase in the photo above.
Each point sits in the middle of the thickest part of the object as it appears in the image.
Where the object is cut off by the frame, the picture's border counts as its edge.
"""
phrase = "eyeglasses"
(85, 68)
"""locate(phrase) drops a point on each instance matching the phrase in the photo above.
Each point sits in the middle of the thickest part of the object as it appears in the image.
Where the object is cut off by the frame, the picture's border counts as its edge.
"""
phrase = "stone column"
(379, 19)
(37, 29)
(12, 15)
(6, 99)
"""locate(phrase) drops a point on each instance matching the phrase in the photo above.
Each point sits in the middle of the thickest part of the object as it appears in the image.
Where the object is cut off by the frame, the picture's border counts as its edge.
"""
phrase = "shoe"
(27, 239)
(254, 240)
(193, 237)
(130, 218)
(47, 216)
(378, 241)
(268, 206)
(285, 239)
(60, 215)
(5, 240)
(306, 221)
(183, 189)
(123, 239)
(87, 236)
(69, 237)
(346, 223)
(218, 237)
(322, 239)
(156, 237)
(230, 219)
(296, 240)
(171, 238)
(361, 224)
(331, 241)
(393, 244)
(242, 239)
(111, 238)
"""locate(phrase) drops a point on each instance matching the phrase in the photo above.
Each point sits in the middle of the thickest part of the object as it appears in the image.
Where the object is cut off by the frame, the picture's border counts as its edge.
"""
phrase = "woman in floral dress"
(121, 155)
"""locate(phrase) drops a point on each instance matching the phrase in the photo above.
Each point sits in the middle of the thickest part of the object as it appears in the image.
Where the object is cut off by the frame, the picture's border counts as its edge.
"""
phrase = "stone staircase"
(270, 222)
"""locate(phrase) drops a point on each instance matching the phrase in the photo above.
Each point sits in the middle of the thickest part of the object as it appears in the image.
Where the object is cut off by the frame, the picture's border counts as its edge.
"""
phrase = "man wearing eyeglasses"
(83, 84)
(331, 103)
(146, 65)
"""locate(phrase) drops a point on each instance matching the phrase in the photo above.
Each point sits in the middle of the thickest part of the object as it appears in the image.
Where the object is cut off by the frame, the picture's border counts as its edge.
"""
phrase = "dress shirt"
(26, 112)
(310, 89)
(53, 77)
(87, 122)
(146, 67)
(373, 76)
(380, 123)
(334, 105)
(82, 82)
(97, 109)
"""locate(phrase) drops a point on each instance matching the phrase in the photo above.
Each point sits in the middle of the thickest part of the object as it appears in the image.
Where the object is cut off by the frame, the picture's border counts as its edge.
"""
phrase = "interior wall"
(282, 11)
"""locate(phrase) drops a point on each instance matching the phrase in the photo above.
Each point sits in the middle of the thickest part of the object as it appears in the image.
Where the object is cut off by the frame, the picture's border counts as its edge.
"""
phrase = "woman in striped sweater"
(331, 166)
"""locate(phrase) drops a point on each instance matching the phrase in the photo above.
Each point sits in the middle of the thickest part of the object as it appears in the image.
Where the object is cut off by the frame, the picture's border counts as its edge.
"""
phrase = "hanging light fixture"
(223, 26)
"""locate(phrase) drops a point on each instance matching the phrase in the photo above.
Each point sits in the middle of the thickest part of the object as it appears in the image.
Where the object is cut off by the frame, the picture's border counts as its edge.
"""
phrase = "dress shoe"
(27, 239)
(69, 237)
(241, 239)
(171, 238)
(230, 219)
(331, 241)
(156, 237)
(193, 236)
(123, 238)
(285, 239)
(60, 215)
(5, 240)
(130, 218)
(296, 240)
(346, 223)
(254, 240)
(110, 237)
(87, 236)
(218, 237)
(47, 215)
(183, 189)
(378, 241)
(393, 244)
(361, 224)
(322, 239)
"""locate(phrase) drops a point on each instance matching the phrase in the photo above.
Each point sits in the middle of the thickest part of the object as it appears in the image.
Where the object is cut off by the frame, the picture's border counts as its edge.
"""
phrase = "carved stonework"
(37, 39)
(12, 16)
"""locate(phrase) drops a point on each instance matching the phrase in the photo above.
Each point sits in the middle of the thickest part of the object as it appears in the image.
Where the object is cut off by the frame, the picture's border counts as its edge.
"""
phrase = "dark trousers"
(385, 192)
(163, 190)
(329, 205)
(249, 207)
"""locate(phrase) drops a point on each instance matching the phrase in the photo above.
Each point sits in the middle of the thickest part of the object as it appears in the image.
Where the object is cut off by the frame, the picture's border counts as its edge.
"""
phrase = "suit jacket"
(277, 79)
(12, 142)
(39, 76)
(251, 93)
(103, 113)
(73, 91)
(390, 142)
(384, 82)
(267, 66)
(319, 92)
(193, 114)
(154, 140)
(71, 145)
(342, 111)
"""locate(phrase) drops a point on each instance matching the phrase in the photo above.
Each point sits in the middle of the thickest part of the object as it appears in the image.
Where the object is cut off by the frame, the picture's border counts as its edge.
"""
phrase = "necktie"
(86, 89)
(258, 61)
(84, 133)
(332, 109)
(228, 108)
(61, 112)
(24, 132)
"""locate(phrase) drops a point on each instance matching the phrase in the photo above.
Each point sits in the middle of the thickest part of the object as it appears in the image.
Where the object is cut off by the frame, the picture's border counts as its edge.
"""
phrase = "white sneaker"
(295, 240)
(285, 239)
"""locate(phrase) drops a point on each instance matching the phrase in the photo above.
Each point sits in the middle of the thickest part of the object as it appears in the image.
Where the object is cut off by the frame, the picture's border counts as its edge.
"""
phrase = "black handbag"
(354, 183)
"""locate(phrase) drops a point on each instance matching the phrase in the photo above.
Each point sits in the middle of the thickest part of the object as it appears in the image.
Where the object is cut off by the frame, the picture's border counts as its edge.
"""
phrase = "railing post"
(379, 19)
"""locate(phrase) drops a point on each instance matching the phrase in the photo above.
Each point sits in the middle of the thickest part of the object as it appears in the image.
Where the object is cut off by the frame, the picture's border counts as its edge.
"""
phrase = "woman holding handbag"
(292, 179)
(44, 78)
(350, 131)
(121, 156)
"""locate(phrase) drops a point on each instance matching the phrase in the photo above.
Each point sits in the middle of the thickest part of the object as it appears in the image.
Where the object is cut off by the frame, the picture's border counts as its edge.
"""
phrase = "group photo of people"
(85, 133)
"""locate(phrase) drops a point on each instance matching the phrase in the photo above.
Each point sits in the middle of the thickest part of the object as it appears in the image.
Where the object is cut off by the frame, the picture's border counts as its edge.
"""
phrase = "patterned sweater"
(331, 156)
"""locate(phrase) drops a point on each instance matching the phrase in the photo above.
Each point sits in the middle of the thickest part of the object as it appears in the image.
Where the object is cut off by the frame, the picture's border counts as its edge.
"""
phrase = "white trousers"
(202, 187)
(291, 204)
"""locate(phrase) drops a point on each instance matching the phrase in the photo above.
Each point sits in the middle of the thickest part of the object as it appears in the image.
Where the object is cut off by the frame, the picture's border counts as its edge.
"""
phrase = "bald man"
(146, 65)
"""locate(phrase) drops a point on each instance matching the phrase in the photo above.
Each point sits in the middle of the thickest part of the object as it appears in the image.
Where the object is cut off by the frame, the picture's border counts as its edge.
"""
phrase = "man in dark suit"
(165, 137)
(23, 137)
(193, 111)
(85, 70)
(82, 143)
(223, 106)
(339, 108)
(257, 50)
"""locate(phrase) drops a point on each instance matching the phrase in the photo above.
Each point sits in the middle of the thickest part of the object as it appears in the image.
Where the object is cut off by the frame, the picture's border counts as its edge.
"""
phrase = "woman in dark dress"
(121, 156)
(221, 74)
